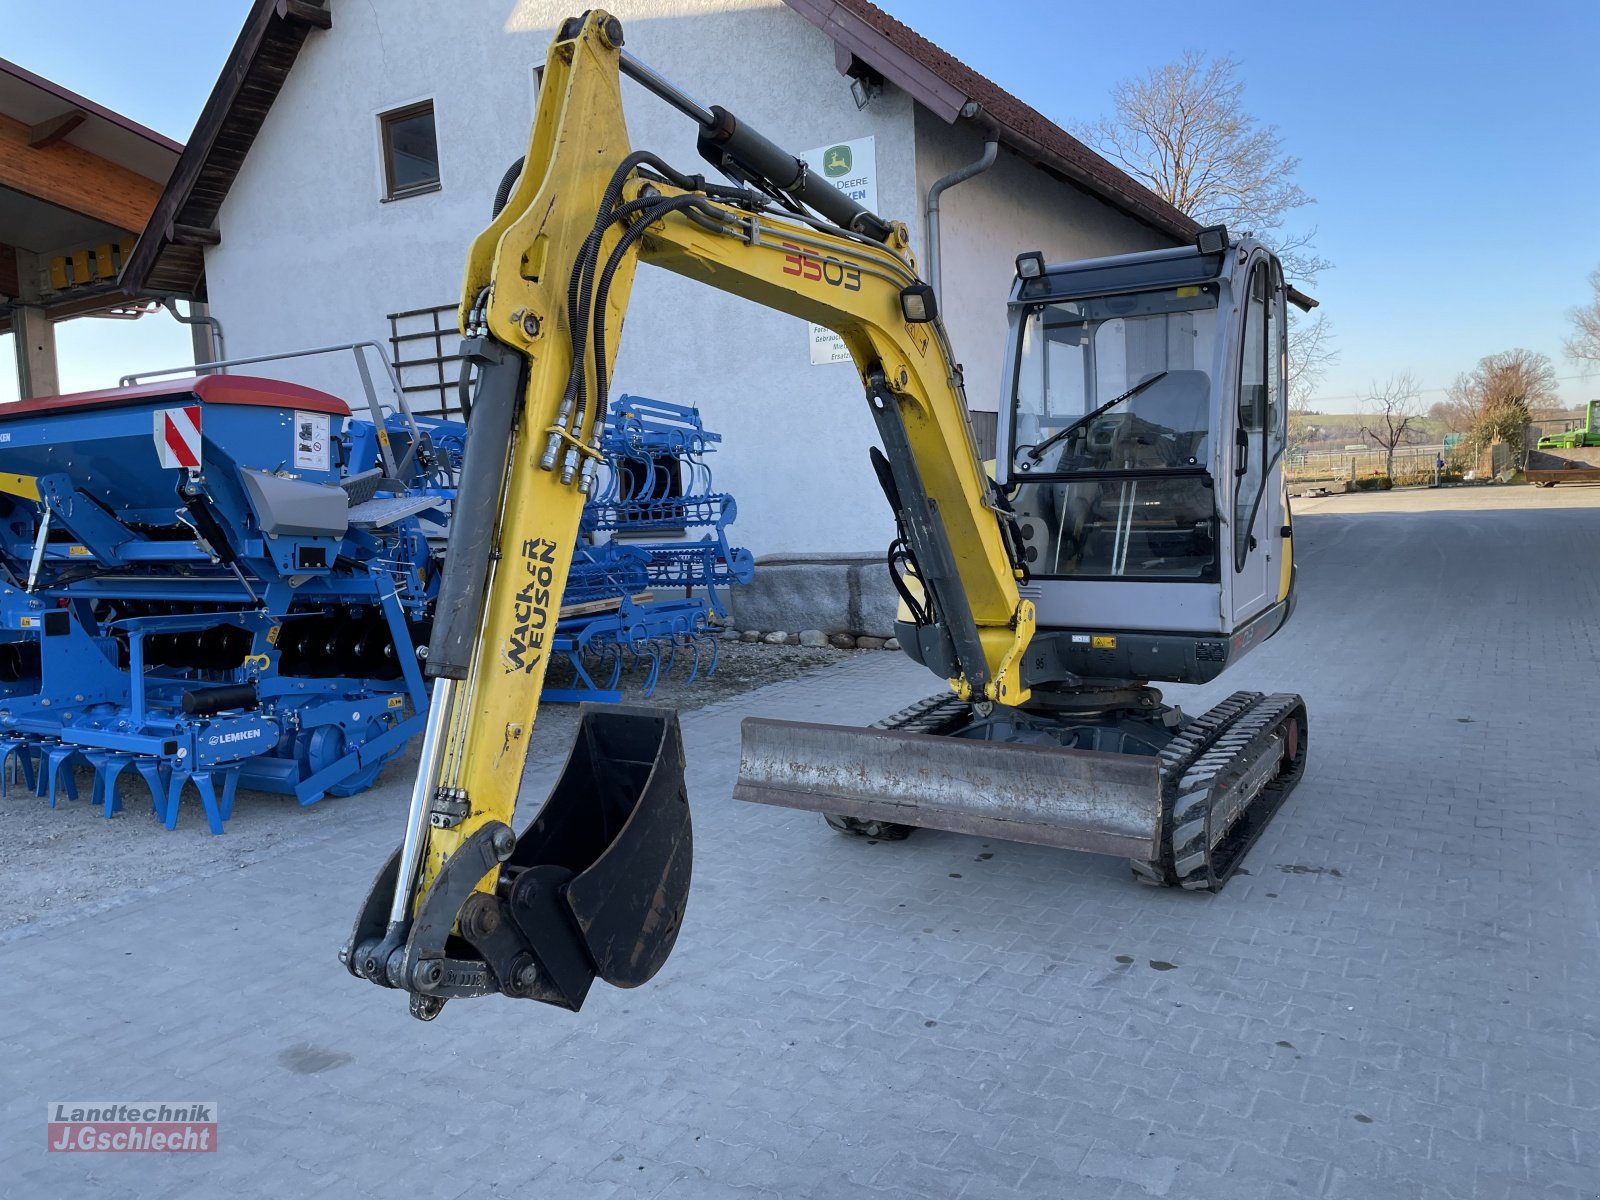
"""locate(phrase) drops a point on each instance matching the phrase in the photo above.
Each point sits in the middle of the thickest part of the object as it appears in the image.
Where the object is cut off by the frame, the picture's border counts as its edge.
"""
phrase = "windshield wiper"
(1037, 452)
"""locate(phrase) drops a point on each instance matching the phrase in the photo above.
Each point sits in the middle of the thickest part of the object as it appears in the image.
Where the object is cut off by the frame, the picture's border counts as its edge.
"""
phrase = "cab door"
(1260, 425)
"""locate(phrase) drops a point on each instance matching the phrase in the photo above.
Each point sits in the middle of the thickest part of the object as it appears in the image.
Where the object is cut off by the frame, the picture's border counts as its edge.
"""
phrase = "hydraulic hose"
(507, 182)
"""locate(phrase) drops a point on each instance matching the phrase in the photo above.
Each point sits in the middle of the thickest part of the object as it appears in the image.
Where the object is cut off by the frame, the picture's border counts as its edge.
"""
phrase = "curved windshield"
(1115, 383)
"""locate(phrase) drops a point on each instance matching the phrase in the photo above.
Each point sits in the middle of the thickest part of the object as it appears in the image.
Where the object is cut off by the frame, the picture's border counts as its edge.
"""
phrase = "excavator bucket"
(1072, 799)
(594, 887)
(618, 820)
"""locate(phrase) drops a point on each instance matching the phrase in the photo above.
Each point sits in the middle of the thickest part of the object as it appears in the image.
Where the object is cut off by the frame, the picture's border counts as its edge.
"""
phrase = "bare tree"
(1495, 400)
(1584, 343)
(1457, 413)
(1182, 131)
(1311, 352)
(1396, 412)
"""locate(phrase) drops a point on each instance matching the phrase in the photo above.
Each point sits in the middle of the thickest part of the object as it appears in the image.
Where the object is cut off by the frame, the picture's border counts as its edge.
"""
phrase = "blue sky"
(1452, 148)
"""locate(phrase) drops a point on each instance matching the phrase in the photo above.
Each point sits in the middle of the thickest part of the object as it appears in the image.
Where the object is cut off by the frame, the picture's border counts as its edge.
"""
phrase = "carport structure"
(78, 183)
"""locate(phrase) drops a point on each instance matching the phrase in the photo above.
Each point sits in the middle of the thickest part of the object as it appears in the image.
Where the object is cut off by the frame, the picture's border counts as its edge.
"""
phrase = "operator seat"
(1180, 401)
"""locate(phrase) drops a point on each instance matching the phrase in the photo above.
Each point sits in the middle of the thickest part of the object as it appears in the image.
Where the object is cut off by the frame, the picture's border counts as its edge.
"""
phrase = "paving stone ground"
(1397, 1001)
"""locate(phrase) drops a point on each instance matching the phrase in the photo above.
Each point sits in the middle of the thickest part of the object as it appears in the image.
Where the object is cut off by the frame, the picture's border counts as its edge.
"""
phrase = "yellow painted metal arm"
(516, 287)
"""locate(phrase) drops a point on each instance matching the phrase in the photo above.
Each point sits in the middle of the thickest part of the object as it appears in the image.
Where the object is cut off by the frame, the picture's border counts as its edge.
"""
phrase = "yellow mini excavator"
(1135, 532)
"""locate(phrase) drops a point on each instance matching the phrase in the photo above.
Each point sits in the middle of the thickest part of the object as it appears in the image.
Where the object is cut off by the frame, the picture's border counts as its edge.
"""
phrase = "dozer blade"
(1072, 799)
(595, 886)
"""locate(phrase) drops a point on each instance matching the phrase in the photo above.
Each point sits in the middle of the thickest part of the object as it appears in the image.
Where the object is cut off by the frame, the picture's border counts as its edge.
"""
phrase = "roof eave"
(288, 20)
(73, 100)
(854, 33)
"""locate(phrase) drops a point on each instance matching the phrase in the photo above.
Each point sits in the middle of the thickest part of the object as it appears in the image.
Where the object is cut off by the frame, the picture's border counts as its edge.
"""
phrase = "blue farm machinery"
(228, 581)
(215, 583)
(654, 565)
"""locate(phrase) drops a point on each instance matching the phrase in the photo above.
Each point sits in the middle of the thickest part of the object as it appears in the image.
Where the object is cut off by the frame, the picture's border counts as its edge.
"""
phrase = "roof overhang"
(170, 256)
(953, 91)
(77, 182)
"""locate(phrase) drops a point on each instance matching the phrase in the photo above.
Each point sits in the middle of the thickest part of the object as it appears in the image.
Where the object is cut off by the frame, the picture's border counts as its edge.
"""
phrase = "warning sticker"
(311, 441)
(1102, 641)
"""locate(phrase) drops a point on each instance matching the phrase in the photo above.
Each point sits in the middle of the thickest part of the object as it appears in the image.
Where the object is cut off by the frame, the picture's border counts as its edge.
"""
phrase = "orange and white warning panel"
(177, 436)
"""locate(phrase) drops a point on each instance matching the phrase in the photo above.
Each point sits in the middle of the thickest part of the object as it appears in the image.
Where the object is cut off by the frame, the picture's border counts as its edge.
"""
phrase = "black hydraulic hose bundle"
(507, 182)
(902, 559)
(581, 296)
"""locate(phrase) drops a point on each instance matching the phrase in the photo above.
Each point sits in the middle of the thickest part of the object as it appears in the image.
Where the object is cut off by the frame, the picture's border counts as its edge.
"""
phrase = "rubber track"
(1193, 740)
(926, 716)
(1188, 797)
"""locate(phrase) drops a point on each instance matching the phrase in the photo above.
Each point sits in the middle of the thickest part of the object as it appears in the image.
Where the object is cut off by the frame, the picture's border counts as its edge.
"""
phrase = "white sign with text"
(852, 167)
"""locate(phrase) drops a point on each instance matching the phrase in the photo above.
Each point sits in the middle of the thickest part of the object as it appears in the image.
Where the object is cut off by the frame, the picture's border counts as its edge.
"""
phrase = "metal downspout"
(171, 305)
(991, 148)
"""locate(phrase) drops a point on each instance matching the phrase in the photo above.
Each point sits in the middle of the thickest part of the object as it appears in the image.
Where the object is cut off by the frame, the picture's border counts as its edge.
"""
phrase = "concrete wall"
(310, 255)
(986, 222)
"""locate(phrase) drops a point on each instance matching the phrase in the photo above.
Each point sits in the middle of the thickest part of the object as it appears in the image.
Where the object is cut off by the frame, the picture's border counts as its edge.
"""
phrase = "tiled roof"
(948, 87)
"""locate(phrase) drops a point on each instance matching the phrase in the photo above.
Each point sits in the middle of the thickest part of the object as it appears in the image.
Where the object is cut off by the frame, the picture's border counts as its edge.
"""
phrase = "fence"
(1301, 466)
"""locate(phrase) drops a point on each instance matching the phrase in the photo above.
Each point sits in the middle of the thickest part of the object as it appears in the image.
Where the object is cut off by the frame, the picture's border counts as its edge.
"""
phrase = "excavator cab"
(1145, 417)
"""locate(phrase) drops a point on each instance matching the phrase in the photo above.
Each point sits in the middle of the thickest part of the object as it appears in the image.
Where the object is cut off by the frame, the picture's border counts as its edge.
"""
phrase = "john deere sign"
(852, 168)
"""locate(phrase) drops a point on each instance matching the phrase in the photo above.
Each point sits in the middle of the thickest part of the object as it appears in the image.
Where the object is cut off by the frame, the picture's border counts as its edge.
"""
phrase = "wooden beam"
(48, 133)
(249, 82)
(99, 299)
(193, 235)
(306, 13)
(73, 178)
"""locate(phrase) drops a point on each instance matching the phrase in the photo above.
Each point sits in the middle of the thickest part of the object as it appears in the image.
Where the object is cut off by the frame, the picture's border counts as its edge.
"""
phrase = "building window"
(410, 151)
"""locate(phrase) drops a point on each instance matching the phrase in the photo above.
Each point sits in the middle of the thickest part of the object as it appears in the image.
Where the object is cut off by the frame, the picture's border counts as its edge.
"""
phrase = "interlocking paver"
(1415, 944)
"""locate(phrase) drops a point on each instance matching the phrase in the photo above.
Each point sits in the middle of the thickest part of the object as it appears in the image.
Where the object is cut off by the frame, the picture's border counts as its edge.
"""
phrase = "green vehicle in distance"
(1572, 439)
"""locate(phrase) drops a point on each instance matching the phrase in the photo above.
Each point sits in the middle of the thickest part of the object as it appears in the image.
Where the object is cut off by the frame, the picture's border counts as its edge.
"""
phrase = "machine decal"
(311, 441)
(826, 268)
(238, 735)
(177, 436)
(532, 606)
(1102, 641)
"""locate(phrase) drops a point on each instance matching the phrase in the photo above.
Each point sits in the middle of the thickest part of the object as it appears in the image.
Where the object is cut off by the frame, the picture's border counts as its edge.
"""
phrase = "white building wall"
(311, 256)
(986, 222)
